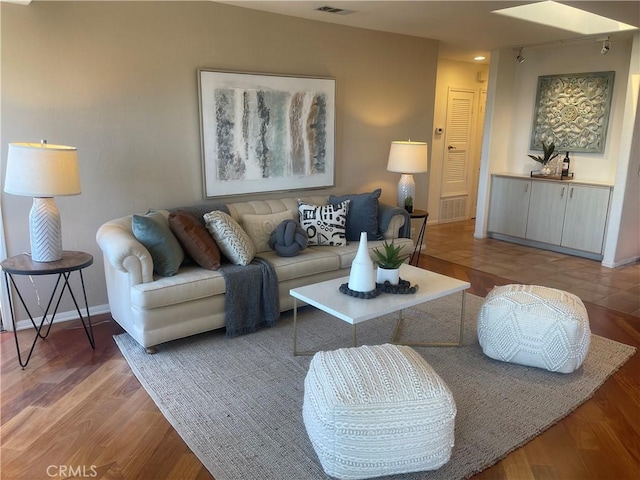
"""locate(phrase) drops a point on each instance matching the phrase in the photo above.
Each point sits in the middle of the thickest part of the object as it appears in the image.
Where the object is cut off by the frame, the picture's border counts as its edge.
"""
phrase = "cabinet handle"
(562, 193)
(526, 187)
(571, 193)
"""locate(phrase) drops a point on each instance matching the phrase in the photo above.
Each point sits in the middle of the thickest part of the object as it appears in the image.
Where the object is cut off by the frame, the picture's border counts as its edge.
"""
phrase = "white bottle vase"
(361, 277)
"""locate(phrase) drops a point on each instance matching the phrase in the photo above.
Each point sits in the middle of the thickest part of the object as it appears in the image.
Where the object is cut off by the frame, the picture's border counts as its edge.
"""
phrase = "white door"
(458, 138)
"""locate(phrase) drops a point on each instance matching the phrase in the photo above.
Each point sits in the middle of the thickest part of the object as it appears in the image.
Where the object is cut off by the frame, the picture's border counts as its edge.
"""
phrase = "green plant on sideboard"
(548, 154)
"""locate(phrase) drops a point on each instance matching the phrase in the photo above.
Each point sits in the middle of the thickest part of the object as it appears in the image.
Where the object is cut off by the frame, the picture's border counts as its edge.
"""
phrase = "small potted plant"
(388, 261)
(548, 155)
(408, 204)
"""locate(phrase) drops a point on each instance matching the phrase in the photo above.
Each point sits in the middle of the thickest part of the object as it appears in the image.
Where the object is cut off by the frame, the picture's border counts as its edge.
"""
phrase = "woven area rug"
(237, 402)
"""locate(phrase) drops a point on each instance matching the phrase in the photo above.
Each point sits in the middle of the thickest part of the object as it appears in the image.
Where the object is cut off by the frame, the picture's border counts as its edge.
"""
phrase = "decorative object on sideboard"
(43, 171)
(388, 261)
(546, 158)
(361, 277)
(407, 158)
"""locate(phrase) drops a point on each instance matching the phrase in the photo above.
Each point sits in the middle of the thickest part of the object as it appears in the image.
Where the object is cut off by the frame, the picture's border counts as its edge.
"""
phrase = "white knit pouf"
(535, 326)
(377, 410)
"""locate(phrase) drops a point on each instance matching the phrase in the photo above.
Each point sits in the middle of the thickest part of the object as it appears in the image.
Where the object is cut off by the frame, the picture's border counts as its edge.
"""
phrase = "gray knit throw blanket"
(251, 299)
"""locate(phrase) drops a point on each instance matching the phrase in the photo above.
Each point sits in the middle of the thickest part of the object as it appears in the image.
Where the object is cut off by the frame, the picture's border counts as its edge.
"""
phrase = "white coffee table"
(327, 297)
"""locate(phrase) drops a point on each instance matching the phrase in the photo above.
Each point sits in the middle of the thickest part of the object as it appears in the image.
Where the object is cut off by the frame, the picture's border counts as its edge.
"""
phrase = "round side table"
(69, 263)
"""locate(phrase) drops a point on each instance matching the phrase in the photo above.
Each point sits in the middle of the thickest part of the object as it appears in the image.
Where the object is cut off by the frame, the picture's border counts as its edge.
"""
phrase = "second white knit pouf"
(377, 410)
(535, 326)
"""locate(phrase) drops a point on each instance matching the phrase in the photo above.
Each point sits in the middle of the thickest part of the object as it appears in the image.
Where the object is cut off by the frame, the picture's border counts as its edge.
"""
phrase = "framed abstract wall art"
(264, 133)
(573, 111)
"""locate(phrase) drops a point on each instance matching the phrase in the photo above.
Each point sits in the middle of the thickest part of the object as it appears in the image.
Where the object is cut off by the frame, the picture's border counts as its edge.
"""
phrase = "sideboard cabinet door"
(546, 212)
(509, 206)
(585, 217)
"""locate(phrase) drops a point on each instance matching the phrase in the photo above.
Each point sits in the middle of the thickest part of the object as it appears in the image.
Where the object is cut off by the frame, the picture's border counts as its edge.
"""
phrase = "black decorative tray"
(537, 174)
(403, 288)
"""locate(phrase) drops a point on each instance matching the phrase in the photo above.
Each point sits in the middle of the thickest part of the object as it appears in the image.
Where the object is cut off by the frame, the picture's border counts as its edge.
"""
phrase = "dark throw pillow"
(362, 215)
(195, 239)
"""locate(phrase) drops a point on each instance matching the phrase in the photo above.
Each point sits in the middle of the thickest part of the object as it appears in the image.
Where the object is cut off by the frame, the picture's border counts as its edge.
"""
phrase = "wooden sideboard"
(567, 216)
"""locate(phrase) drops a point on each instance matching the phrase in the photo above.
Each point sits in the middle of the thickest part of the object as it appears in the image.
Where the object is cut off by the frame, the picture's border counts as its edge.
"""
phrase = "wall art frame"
(265, 132)
(572, 111)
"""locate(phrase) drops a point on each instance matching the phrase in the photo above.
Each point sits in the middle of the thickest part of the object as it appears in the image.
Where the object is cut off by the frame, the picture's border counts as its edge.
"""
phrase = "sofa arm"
(394, 222)
(123, 251)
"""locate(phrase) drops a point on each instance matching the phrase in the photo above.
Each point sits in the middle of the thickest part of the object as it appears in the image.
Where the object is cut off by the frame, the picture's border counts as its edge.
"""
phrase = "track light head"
(520, 58)
(606, 46)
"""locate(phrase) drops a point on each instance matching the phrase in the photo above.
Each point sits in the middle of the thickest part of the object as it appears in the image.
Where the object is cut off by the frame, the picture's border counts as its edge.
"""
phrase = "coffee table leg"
(459, 343)
(295, 326)
(464, 304)
(355, 340)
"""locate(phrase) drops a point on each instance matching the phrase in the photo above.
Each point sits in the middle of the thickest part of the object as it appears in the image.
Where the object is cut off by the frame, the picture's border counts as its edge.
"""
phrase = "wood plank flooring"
(78, 413)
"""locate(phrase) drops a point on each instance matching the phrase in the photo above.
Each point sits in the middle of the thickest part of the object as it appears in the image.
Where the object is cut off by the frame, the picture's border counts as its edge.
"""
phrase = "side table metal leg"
(89, 330)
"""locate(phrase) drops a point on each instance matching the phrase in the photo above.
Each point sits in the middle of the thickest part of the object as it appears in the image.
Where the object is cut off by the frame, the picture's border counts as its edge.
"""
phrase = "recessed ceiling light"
(561, 16)
(479, 57)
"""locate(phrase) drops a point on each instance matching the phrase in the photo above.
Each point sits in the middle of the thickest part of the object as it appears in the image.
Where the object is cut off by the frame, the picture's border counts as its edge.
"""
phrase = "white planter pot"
(390, 274)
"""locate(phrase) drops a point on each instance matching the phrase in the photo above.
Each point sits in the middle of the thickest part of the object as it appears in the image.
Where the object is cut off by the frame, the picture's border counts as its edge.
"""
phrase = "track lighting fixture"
(606, 46)
(520, 58)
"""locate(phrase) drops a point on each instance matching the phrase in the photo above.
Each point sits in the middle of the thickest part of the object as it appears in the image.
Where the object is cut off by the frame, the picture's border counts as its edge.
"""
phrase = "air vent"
(337, 11)
(453, 209)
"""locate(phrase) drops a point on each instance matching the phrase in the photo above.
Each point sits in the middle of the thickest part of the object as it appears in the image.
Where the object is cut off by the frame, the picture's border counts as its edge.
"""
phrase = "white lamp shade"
(42, 170)
(408, 157)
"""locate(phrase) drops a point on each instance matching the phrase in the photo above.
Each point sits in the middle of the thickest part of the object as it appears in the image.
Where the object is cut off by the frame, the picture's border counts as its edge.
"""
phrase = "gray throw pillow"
(362, 215)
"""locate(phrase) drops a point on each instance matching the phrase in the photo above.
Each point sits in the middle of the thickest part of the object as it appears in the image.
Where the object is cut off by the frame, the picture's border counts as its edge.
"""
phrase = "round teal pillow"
(288, 239)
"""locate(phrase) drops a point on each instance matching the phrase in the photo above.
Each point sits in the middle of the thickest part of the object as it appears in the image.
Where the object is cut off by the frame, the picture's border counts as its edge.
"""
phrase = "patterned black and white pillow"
(324, 224)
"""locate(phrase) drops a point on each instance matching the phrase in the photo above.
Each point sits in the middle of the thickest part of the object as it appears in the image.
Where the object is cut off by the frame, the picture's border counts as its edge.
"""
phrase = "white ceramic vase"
(361, 277)
(390, 274)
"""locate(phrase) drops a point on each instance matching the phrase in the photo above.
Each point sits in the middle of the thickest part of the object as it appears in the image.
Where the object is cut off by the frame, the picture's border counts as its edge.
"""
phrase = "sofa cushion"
(362, 215)
(310, 261)
(193, 283)
(234, 242)
(260, 227)
(195, 239)
(152, 231)
(324, 224)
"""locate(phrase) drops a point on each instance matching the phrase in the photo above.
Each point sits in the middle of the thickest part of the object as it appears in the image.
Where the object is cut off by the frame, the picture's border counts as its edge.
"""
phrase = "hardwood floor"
(78, 413)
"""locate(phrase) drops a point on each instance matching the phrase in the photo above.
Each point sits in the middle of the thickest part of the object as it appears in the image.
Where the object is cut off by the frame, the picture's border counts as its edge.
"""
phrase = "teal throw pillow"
(154, 233)
(362, 215)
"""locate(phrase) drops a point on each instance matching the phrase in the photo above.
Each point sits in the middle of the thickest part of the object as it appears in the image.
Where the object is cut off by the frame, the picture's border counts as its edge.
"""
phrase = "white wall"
(554, 60)
(512, 106)
(118, 81)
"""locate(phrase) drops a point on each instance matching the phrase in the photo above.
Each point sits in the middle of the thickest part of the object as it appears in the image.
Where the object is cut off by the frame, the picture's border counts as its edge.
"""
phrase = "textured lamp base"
(45, 230)
(406, 188)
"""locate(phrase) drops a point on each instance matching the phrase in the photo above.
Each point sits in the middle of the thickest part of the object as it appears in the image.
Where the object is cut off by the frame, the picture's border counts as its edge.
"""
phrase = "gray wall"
(118, 81)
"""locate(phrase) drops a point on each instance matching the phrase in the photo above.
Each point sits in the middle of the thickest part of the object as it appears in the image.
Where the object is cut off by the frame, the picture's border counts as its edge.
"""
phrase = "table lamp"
(43, 171)
(407, 158)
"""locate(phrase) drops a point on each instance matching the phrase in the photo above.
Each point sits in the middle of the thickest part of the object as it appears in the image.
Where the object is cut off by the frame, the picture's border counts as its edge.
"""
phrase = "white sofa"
(154, 309)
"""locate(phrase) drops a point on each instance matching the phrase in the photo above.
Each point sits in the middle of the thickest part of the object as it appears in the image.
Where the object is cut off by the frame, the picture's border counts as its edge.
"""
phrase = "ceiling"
(464, 28)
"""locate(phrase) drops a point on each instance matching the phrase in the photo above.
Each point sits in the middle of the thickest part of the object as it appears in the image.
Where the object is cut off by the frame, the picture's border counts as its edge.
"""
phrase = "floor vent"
(453, 209)
(336, 10)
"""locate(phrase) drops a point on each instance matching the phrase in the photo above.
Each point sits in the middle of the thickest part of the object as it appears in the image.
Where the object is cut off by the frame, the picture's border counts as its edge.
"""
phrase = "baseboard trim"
(61, 317)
